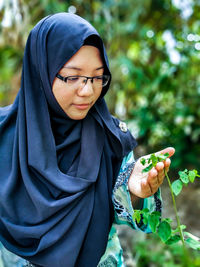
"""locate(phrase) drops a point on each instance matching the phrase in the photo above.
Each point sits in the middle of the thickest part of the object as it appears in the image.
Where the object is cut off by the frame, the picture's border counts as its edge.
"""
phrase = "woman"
(65, 161)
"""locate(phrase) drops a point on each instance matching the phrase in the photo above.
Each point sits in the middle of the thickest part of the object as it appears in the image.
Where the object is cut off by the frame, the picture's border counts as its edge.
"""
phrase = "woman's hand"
(145, 184)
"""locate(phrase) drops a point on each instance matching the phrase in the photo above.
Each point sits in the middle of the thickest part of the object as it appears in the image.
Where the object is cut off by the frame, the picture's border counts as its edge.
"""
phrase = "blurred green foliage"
(154, 52)
(152, 252)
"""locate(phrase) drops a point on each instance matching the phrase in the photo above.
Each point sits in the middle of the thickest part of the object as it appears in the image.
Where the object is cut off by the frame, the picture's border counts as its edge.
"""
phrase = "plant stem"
(175, 209)
(178, 220)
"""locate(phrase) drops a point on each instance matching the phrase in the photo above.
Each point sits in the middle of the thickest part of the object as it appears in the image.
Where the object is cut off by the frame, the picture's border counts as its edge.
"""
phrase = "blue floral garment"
(113, 256)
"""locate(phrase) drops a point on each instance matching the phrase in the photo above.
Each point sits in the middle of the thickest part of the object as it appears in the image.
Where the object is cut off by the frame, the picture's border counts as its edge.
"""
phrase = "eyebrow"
(76, 68)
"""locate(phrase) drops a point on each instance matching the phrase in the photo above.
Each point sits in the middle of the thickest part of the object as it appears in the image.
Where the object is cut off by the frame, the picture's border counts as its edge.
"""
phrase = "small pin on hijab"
(123, 127)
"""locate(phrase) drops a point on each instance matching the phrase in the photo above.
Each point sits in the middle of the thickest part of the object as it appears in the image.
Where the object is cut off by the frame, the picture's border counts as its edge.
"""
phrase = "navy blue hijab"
(57, 174)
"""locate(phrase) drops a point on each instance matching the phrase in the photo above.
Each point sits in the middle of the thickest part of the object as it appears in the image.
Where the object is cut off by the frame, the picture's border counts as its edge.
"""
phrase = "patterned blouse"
(113, 256)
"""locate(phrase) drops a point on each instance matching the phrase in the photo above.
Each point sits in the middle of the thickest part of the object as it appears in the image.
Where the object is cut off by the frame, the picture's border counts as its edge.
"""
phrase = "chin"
(77, 116)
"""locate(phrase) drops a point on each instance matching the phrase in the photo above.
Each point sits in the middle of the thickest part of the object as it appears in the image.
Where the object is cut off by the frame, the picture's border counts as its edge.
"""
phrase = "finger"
(153, 180)
(167, 164)
(153, 173)
(153, 186)
(161, 176)
(169, 150)
(146, 189)
(160, 166)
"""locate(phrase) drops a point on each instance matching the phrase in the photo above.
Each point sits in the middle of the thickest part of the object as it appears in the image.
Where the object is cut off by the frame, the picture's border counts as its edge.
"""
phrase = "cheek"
(63, 96)
(97, 94)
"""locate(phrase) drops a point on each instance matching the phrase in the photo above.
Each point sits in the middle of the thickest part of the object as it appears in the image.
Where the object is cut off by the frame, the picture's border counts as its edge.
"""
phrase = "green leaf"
(164, 231)
(192, 240)
(156, 213)
(162, 157)
(169, 220)
(177, 187)
(183, 176)
(154, 159)
(174, 239)
(148, 168)
(193, 243)
(177, 229)
(143, 161)
(192, 175)
(166, 154)
(192, 236)
(146, 210)
(154, 220)
(137, 215)
(145, 213)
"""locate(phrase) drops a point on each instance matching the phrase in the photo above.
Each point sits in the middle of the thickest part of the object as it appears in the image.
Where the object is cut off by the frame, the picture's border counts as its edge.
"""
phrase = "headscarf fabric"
(57, 174)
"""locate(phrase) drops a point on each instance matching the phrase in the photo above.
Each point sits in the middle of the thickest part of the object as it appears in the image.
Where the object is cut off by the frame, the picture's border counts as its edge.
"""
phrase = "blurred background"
(154, 52)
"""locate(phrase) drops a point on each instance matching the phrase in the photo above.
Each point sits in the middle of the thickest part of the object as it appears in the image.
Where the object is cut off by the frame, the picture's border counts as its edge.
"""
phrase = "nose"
(86, 89)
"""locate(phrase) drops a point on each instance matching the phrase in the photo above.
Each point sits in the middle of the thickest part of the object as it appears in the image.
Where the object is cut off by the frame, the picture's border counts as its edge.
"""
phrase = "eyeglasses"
(79, 82)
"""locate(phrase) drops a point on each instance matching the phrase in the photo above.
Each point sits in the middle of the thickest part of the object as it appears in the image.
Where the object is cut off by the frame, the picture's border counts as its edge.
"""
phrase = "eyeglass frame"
(64, 79)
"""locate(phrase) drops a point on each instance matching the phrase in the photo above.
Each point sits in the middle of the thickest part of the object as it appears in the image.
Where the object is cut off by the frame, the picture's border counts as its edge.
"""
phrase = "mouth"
(82, 106)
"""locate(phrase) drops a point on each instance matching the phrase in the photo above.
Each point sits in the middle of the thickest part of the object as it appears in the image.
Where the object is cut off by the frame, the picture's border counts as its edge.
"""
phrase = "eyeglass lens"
(77, 81)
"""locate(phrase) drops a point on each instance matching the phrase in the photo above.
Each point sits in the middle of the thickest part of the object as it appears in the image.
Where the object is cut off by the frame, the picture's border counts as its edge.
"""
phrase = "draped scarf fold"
(57, 174)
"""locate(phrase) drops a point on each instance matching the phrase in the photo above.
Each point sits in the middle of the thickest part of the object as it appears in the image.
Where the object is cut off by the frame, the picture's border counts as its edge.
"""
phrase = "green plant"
(162, 227)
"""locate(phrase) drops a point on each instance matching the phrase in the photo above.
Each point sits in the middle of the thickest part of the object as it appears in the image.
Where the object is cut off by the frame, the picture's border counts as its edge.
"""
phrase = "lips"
(82, 106)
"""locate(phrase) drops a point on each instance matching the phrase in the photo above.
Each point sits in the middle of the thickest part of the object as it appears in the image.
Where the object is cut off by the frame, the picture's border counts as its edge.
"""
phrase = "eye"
(98, 78)
(73, 79)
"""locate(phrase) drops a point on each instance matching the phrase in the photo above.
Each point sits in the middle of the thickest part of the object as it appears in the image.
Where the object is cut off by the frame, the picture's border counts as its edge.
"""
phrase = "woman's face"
(76, 102)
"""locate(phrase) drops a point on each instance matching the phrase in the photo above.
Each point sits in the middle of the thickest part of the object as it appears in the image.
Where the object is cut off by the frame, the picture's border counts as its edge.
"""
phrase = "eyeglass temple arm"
(61, 77)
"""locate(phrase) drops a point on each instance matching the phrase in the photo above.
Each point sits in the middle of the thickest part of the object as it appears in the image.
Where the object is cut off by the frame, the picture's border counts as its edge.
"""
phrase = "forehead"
(86, 57)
